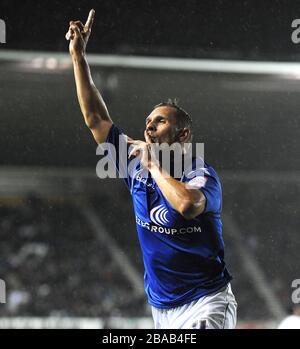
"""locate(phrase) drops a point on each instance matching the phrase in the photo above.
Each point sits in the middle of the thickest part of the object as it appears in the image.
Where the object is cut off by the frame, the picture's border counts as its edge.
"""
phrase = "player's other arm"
(91, 103)
(189, 202)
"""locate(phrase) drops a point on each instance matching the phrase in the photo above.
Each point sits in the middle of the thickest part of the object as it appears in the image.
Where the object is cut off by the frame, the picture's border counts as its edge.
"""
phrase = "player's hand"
(144, 151)
(79, 34)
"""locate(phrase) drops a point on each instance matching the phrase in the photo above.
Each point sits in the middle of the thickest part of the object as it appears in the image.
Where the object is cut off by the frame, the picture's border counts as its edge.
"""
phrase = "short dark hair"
(182, 117)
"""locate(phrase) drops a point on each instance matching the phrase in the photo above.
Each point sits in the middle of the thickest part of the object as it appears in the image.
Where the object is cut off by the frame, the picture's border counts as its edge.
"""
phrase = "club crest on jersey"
(158, 215)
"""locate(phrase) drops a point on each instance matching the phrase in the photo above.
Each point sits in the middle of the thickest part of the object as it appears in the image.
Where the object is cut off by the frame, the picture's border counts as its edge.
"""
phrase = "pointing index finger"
(90, 20)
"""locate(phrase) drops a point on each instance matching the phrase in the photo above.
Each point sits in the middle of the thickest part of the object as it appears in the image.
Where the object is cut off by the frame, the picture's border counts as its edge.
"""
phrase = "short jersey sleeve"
(117, 148)
(206, 180)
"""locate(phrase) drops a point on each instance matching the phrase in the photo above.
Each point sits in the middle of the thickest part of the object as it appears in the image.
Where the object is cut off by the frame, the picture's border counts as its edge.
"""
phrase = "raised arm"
(92, 106)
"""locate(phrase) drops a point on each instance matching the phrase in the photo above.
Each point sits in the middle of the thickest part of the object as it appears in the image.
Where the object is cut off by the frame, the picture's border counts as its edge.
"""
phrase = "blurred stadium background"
(69, 251)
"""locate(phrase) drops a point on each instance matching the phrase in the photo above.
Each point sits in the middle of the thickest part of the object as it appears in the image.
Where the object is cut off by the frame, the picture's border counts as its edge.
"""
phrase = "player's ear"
(184, 135)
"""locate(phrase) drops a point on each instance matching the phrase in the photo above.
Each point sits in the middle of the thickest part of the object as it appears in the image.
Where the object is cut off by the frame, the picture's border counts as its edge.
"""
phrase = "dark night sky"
(249, 29)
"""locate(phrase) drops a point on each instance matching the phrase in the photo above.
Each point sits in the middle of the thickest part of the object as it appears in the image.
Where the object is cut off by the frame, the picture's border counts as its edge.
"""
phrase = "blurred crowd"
(53, 264)
(266, 214)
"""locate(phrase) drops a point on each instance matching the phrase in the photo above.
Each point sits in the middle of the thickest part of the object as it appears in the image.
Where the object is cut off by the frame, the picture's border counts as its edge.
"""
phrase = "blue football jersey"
(183, 259)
